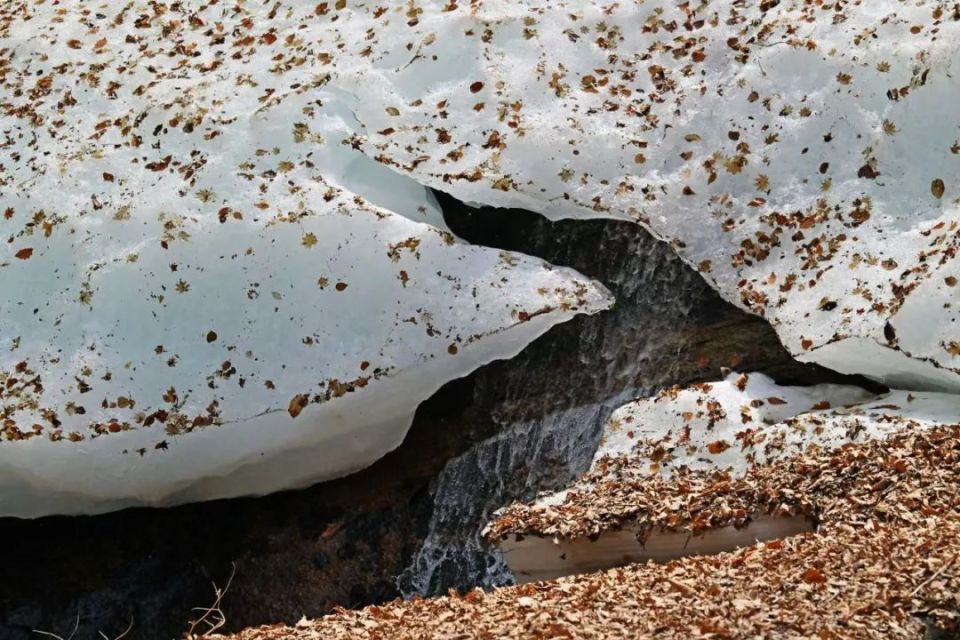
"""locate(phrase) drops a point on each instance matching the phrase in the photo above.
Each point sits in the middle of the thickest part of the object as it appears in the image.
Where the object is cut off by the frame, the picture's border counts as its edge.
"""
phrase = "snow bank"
(201, 199)
(201, 295)
(803, 157)
(653, 492)
(646, 496)
(748, 419)
(535, 558)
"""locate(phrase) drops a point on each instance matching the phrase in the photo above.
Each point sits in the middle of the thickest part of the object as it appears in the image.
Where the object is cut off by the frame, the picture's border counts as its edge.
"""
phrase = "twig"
(213, 615)
(931, 578)
(122, 635)
(683, 588)
(76, 625)
(416, 56)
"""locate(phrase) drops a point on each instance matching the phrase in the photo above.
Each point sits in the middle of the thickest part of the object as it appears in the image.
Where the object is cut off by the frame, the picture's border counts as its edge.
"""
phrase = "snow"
(202, 297)
(362, 359)
(687, 420)
(534, 558)
(730, 426)
(803, 157)
(748, 419)
(201, 199)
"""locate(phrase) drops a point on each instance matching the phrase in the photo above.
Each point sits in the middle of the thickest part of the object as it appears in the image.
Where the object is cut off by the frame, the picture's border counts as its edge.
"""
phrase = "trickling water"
(516, 463)
(546, 410)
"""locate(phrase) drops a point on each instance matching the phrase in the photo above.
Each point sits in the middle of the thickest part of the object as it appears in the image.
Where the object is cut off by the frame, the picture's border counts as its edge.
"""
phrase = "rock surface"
(666, 327)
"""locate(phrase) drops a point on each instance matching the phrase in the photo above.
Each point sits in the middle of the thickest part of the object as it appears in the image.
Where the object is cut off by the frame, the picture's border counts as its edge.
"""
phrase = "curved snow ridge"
(221, 394)
(748, 419)
(805, 160)
(203, 297)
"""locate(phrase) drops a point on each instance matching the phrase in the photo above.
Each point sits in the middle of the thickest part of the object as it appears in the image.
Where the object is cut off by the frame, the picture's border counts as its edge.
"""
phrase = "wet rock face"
(502, 433)
(546, 408)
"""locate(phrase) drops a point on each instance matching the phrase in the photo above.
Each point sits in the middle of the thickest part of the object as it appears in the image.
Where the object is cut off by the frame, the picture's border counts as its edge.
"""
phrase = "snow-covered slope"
(748, 419)
(201, 297)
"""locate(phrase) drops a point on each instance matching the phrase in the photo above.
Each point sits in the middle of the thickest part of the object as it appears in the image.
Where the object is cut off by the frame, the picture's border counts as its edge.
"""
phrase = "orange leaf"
(297, 404)
(331, 530)
(814, 576)
(718, 447)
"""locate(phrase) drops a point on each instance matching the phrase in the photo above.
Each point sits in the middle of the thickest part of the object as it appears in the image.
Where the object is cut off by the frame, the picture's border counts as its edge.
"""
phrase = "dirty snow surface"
(748, 420)
(201, 297)
(222, 273)
(803, 156)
